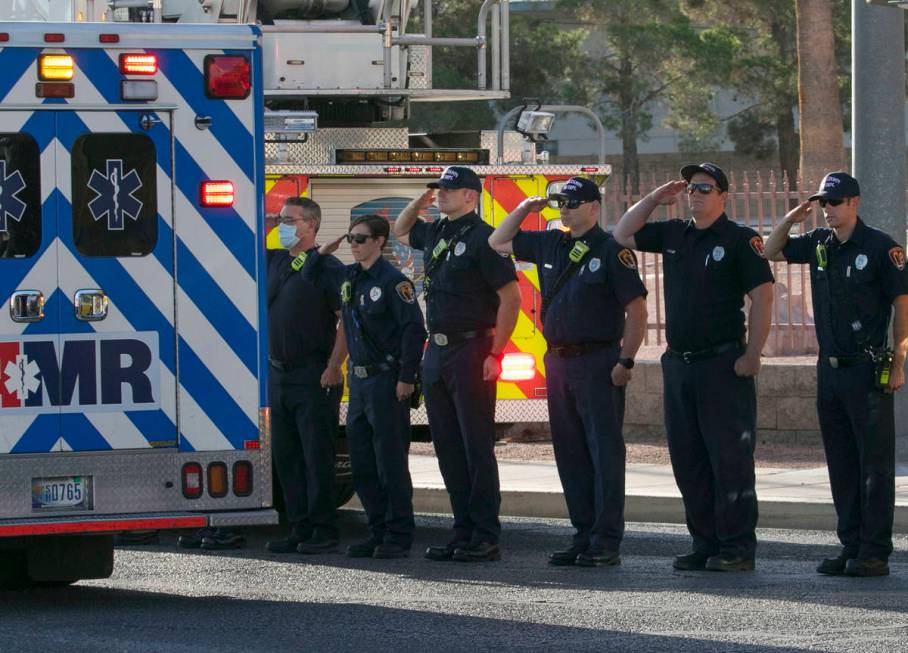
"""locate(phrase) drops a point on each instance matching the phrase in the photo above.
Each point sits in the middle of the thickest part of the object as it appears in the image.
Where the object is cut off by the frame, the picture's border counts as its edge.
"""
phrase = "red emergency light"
(4, 37)
(109, 38)
(138, 64)
(393, 169)
(589, 169)
(227, 77)
(217, 194)
(54, 38)
(242, 478)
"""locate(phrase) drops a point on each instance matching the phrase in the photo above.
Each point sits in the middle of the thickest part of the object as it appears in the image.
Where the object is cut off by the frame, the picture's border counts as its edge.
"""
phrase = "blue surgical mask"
(286, 234)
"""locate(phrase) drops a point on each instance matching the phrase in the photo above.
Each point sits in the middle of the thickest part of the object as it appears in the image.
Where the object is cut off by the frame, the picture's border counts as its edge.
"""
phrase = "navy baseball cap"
(706, 168)
(837, 186)
(457, 177)
(579, 188)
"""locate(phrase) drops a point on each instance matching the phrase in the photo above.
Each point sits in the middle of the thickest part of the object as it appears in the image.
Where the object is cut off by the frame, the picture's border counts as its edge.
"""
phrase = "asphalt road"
(162, 599)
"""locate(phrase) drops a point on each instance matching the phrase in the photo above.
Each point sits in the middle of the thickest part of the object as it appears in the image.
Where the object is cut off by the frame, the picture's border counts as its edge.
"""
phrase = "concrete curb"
(774, 513)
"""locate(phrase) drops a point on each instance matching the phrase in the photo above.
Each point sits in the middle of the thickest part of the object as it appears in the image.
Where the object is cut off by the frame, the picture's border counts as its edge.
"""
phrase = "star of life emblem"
(11, 207)
(114, 195)
(22, 377)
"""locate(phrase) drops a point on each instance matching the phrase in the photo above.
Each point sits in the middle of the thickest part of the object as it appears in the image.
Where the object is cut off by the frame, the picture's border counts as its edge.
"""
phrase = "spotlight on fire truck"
(535, 122)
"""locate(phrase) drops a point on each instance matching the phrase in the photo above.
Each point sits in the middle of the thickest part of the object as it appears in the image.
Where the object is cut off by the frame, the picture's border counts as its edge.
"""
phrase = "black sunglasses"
(561, 202)
(703, 189)
(359, 239)
(823, 202)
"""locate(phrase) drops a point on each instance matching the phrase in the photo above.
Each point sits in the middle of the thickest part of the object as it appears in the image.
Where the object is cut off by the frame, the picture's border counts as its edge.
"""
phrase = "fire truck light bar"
(403, 156)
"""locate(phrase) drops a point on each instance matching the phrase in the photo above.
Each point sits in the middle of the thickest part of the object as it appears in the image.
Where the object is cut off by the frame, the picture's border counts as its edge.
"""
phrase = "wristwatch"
(627, 363)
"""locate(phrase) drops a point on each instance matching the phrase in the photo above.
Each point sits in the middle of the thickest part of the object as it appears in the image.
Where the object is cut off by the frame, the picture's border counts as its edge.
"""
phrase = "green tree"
(642, 52)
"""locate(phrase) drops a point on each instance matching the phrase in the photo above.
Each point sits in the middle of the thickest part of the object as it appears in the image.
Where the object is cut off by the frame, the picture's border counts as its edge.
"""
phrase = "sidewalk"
(789, 498)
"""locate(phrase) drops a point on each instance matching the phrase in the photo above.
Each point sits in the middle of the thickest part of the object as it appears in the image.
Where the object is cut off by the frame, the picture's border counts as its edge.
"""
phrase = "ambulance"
(133, 353)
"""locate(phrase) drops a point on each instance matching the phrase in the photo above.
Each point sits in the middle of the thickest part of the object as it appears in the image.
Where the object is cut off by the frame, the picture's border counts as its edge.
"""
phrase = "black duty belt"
(365, 371)
(846, 361)
(573, 351)
(445, 339)
(704, 354)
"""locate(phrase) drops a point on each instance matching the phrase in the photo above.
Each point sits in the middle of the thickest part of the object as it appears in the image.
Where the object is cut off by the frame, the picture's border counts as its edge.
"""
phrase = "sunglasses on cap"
(824, 202)
(562, 202)
(359, 239)
(703, 189)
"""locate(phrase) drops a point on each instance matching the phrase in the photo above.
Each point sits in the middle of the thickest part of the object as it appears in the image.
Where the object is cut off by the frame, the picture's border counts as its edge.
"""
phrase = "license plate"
(62, 493)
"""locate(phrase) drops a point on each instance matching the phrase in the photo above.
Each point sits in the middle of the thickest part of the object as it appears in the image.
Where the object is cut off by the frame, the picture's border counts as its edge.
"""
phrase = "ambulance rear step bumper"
(95, 524)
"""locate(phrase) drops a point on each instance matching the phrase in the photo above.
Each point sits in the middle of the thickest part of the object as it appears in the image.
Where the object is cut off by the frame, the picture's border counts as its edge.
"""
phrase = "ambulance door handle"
(27, 306)
(91, 304)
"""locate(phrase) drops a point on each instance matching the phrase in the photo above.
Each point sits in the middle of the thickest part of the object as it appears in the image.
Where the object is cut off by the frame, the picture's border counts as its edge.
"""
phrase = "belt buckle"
(360, 372)
(687, 357)
(440, 339)
(833, 362)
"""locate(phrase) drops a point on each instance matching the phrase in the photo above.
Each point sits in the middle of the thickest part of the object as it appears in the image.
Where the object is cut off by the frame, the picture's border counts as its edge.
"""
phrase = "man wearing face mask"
(589, 283)
(307, 347)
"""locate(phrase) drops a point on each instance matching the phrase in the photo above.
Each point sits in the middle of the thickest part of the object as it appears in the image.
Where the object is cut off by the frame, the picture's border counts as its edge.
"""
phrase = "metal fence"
(759, 200)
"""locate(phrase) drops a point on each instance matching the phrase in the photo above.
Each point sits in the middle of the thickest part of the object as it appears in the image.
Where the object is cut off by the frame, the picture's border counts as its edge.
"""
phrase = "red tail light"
(518, 367)
(54, 38)
(227, 77)
(108, 38)
(192, 480)
(216, 193)
(242, 478)
(138, 64)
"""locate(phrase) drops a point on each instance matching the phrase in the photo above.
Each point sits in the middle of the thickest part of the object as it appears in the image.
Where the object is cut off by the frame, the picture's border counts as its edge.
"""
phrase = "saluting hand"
(668, 193)
(534, 204)
(799, 213)
(404, 390)
(425, 200)
(330, 248)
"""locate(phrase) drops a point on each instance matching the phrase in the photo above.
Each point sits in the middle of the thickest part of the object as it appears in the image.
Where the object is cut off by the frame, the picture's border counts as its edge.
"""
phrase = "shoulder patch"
(627, 258)
(897, 256)
(406, 291)
(756, 244)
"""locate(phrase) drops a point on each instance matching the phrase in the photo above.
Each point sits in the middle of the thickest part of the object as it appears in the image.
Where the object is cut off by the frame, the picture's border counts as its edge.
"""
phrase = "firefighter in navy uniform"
(384, 328)
(710, 264)
(472, 302)
(307, 348)
(588, 283)
(857, 275)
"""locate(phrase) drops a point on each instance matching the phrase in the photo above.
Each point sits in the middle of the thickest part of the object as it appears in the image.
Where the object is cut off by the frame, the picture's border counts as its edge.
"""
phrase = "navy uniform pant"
(378, 438)
(858, 427)
(461, 410)
(586, 413)
(304, 428)
(710, 418)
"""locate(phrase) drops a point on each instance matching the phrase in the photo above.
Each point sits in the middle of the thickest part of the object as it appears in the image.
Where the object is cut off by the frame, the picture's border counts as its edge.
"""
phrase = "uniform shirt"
(707, 273)
(854, 290)
(463, 294)
(302, 319)
(382, 302)
(589, 307)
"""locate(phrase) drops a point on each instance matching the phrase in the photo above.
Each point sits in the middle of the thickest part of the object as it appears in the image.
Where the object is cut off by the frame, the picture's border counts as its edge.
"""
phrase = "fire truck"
(142, 144)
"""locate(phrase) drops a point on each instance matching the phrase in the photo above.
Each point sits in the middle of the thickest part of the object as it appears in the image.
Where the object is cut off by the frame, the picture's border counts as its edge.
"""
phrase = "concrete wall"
(786, 400)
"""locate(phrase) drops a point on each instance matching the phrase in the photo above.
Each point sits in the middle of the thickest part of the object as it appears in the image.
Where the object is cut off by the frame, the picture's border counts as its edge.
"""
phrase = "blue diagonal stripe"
(14, 62)
(81, 434)
(40, 436)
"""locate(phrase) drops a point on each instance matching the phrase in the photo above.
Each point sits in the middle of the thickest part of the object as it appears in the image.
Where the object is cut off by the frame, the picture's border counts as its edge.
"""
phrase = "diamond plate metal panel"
(319, 149)
(420, 75)
(513, 144)
(483, 171)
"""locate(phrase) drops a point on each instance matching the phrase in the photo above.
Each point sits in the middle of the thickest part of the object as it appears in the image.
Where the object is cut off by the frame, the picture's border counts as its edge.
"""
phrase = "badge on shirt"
(627, 259)
(718, 253)
(594, 264)
(460, 248)
(860, 262)
(756, 244)
(897, 256)
(375, 293)
(346, 292)
(406, 291)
